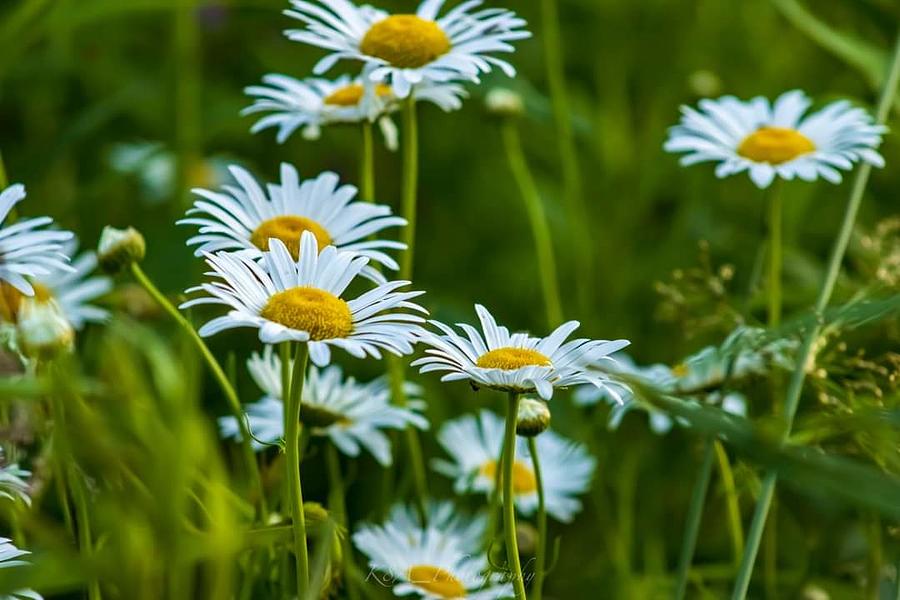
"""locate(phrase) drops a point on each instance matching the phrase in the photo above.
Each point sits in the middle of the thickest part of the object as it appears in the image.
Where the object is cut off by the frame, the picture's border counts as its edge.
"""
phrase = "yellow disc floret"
(436, 581)
(288, 229)
(510, 359)
(524, 481)
(405, 41)
(11, 300)
(350, 95)
(775, 145)
(321, 314)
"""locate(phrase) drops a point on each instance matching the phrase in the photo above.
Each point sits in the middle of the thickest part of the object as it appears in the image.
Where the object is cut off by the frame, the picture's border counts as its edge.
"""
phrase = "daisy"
(246, 218)
(13, 483)
(516, 362)
(351, 414)
(299, 300)
(474, 444)
(442, 561)
(10, 558)
(770, 140)
(27, 250)
(407, 49)
(313, 103)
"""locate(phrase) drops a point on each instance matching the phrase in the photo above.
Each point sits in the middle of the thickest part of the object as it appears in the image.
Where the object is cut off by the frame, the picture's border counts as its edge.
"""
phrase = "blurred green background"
(111, 109)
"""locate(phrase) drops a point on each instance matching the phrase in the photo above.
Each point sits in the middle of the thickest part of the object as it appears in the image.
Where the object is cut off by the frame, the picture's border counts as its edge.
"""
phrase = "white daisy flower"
(300, 301)
(474, 443)
(351, 414)
(770, 140)
(516, 362)
(10, 558)
(13, 483)
(244, 219)
(27, 250)
(443, 561)
(313, 103)
(407, 49)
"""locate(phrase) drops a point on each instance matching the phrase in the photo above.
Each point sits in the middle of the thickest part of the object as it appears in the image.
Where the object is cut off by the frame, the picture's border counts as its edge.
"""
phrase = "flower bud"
(503, 102)
(533, 417)
(119, 248)
(43, 329)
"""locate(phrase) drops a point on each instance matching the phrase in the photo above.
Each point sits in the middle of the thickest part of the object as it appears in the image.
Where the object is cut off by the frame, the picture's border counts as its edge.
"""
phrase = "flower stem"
(731, 501)
(775, 254)
(538, 218)
(805, 356)
(540, 556)
(367, 164)
(231, 396)
(79, 498)
(338, 509)
(692, 523)
(572, 191)
(292, 464)
(509, 500)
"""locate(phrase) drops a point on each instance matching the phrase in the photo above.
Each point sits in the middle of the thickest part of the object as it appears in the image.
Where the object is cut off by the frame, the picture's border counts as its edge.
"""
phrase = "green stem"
(4, 180)
(775, 254)
(805, 355)
(338, 508)
(231, 396)
(292, 464)
(397, 375)
(367, 164)
(692, 524)
(732, 502)
(538, 219)
(509, 500)
(897, 578)
(540, 556)
(79, 497)
(562, 115)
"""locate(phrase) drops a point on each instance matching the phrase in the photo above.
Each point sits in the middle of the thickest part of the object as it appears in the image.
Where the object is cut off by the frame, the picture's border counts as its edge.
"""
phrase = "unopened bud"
(119, 248)
(503, 102)
(43, 329)
(533, 417)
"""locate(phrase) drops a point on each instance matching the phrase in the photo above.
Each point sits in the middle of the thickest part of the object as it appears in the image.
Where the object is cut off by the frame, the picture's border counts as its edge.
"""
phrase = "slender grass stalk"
(540, 556)
(338, 509)
(292, 464)
(537, 217)
(692, 523)
(221, 378)
(896, 589)
(188, 119)
(367, 163)
(776, 253)
(396, 367)
(85, 545)
(805, 355)
(568, 154)
(732, 502)
(509, 500)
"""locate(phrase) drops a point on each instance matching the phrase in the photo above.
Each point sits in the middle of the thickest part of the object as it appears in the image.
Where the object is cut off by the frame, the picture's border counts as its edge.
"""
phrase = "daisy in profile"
(350, 414)
(770, 140)
(313, 103)
(300, 301)
(519, 363)
(408, 49)
(441, 561)
(246, 218)
(26, 248)
(474, 445)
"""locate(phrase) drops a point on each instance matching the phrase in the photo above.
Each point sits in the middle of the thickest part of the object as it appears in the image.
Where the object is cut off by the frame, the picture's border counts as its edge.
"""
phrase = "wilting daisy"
(351, 414)
(246, 218)
(442, 561)
(299, 300)
(407, 49)
(770, 140)
(313, 103)
(26, 249)
(474, 444)
(516, 362)
(10, 558)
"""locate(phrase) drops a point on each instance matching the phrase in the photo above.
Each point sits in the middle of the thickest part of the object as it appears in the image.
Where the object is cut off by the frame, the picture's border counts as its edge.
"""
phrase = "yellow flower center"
(775, 145)
(11, 300)
(405, 41)
(510, 359)
(288, 229)
(350, 95)
(321, 314)
(524, 481)
(436, 581)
